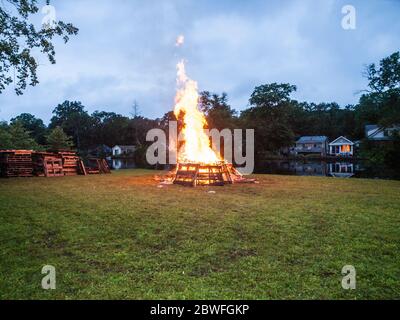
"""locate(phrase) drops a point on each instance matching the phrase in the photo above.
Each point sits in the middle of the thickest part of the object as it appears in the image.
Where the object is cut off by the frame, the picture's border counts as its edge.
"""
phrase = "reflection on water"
(341, 169)
(338, 169)
(118, 164)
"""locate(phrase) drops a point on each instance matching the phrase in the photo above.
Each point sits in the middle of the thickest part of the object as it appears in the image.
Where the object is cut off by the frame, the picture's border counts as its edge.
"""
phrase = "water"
(339, 169)
(118, 164)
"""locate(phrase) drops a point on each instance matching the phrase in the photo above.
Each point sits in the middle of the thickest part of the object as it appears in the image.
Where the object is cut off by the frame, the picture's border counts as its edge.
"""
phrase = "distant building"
(341, 147)
(120, 150)
(377, 133)
(100, 150)
(312, 145)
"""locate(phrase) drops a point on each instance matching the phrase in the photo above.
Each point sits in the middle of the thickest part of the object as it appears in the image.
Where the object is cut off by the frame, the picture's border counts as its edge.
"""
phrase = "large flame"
(196, 143)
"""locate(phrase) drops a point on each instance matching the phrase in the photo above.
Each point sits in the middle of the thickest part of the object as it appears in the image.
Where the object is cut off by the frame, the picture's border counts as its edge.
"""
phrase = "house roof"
(338, 141)
(311, 139)
(369, 127)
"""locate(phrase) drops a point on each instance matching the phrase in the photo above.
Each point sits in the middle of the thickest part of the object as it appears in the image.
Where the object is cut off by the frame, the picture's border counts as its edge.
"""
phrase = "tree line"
(277, 118)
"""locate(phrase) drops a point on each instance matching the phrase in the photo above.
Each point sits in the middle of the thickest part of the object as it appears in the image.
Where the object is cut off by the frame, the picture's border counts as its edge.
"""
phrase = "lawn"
(120, 236)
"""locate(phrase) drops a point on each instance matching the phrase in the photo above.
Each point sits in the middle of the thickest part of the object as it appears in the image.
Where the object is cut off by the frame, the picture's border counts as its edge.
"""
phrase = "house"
(377, 133)
(312, 145)
(341, 147)
(120, 150)
(100, 150)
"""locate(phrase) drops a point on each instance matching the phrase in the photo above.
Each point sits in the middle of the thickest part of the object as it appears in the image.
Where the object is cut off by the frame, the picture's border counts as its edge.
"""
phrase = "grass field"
(120, 236)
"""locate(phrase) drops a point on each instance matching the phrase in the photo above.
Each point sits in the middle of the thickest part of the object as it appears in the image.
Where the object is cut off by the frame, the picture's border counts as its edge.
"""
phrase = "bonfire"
(197, 162)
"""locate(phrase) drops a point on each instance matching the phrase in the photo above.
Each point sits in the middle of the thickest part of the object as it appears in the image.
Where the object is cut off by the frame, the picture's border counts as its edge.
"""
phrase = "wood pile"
(98, 166)
(193, 174)
(46, 164)
(218, 174)
(16, 163)
(71, 163)
(28, 163)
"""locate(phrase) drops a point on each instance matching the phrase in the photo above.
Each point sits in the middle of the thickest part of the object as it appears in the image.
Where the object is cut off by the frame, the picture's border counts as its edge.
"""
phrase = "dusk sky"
(125, 51)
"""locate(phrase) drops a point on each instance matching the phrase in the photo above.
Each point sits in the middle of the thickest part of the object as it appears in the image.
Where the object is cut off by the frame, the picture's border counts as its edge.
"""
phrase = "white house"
(341, 147)
(119, 150)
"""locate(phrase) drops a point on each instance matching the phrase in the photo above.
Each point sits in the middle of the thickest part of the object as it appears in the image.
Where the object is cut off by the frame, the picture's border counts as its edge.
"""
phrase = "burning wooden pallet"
(194, 174)
(218, 174)
(16, 163)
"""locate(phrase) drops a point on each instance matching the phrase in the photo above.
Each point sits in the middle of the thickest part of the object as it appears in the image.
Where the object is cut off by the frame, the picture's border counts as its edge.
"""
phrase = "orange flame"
(196, 146)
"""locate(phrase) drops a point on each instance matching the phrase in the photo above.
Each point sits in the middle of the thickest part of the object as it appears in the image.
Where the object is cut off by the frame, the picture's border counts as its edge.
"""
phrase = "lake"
(118, 164)
(339, 169)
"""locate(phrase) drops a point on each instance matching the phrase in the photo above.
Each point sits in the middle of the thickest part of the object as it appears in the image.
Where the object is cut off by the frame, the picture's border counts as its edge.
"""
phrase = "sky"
(125, 51)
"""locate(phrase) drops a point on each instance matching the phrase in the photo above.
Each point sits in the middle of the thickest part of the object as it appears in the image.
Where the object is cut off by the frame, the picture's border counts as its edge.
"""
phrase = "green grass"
(120, 236)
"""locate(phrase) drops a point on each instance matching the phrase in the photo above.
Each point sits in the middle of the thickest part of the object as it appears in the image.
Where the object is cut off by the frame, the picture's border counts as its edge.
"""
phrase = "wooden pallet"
(202, 174)
(16, 163)
(98, 166)
(53, 167)
(71, 163)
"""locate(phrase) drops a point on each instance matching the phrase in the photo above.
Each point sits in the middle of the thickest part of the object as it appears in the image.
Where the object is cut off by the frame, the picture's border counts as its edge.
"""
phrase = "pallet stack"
(47, 164)
(27, 163)
(16, 163)
(98, 166)
(193, 174)
(71, 163)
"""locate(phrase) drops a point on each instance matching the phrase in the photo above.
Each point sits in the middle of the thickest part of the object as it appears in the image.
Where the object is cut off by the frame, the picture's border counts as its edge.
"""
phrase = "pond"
(339, 169)
(118, 164)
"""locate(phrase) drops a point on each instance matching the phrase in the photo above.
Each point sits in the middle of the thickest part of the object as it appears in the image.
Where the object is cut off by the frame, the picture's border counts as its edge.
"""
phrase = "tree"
(381, 105)
(269, 114)
(5, 136)
(32, 124)
(219, 114)
(18, 37)
(21, 139)
(135, 115)
(59, 140)
(387, 76)
(135, 109)
(75, 121)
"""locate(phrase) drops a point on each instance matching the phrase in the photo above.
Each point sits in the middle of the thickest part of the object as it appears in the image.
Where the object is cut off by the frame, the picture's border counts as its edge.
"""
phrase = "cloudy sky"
(125, 51)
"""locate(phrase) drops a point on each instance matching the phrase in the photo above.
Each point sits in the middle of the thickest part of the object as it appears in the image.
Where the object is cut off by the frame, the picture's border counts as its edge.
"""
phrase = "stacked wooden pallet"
(47, 164)
(16, 163)
(26, 163)
(98, 166)
(71, 163)
(193, 174)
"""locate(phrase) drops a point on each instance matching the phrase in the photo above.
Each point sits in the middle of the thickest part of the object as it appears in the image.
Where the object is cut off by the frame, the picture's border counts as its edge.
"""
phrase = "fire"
(196, 143)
